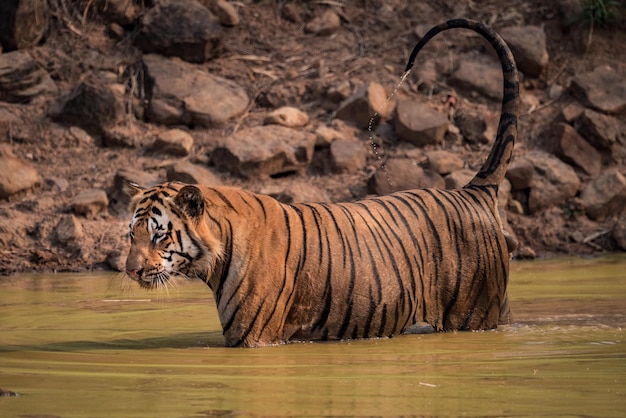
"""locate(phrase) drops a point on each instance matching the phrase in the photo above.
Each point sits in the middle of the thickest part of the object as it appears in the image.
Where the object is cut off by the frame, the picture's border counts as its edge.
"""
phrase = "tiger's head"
(168, 234)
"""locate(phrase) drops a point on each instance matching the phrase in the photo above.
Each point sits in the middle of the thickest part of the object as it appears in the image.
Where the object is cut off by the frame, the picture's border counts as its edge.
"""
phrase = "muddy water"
(76, 345)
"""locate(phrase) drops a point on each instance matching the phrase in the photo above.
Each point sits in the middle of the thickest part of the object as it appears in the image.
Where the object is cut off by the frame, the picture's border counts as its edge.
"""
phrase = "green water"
(77, 345)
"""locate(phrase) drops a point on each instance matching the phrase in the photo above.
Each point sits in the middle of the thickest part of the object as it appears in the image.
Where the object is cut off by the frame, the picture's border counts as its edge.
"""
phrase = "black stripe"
(277, 303)
(227, 257)
(224, 199)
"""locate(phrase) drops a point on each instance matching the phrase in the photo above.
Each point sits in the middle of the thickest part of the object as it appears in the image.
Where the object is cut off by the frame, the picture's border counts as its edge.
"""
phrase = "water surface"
(94, 345)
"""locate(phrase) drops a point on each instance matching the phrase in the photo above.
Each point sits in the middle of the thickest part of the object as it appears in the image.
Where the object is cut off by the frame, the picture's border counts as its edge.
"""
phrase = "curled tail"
(493, 170)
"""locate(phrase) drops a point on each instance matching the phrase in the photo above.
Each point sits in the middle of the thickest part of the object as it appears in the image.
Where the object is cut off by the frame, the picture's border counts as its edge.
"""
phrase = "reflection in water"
(76, 345)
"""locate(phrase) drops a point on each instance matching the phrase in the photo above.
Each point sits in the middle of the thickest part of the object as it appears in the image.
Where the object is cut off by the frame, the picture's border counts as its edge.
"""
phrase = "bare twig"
(594, 236)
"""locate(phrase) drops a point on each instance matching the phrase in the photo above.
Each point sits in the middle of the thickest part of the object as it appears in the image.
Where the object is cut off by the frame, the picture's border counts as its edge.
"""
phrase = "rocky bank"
(276, 97)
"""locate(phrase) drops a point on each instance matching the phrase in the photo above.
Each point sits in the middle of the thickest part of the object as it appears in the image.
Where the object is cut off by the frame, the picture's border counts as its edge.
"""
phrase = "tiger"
(371, 268)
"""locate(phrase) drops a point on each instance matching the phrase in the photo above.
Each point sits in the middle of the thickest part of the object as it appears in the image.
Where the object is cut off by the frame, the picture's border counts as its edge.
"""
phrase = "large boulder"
(175, 142)
(369, 100)
(347, 156)
(554, 182)
(181, 94)
(520, 174)
(444, 162)
(605, 196)
(15, 175)
(600, 130)
(603, 89)
(528, 44)
(181, 28)
(264, 151)
(294, 190)
(565, 143)
(478, 75)
(90, 105)
(403, 174)
(419, 124)
(22, 79)
(22, 23)
(187, 172)
(90, 202)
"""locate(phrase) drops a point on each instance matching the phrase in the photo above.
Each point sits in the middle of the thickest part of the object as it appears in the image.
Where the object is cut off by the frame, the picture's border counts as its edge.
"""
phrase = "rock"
(122, 135)
(287, 116)
(524, 252)
(23, 23)
(120, 12)
(90, 202)
(81, 135)
(181, 28)
(472, 125)
(174, 142)
(403, 174)
(325, 135)
(459, 178)
(565, 143)
(520, 174)
(478, 76)
(444, 162)
(528, 44)
(418, 124)
(57, 184)
(605, 196)
(68, 229)
(603, 89)
(347, 156)
(16, 175)
(90, 105)
(183, 95)
(570, 13)
(225, 11)
(265, 151)
(553, 181)
(619, 231)
(187, 172)
(427, 75)
(22, 79)
(325, 24)
(368, 101)
(297, 190)
(555, 91)
(339, 92)
(571, 112)
(292, 12)
(601, 131)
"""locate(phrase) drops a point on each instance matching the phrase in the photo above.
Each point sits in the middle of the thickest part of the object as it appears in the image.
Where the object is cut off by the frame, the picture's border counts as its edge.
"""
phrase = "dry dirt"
(278, 63)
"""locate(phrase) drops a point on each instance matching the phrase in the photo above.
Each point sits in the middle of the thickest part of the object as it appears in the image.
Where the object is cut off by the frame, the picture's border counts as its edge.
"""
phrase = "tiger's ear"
(131, 189)
(191, 201)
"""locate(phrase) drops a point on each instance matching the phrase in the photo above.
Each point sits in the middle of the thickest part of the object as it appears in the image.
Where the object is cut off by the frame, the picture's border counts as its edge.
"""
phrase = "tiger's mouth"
(149, 280)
